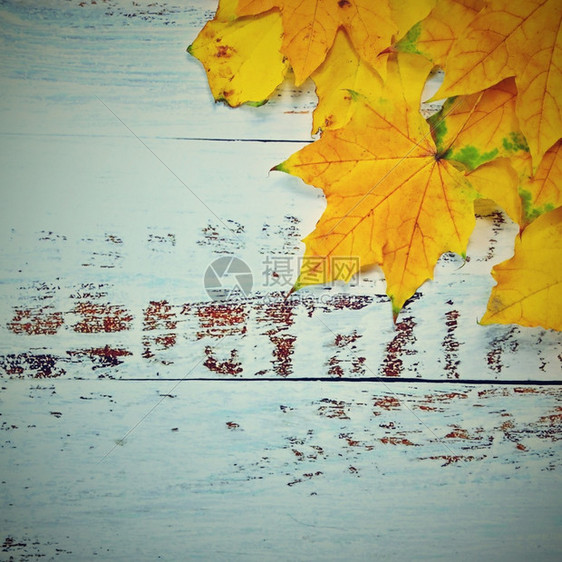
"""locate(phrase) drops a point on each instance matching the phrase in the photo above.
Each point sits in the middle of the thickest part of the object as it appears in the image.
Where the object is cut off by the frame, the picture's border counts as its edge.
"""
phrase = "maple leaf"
(529, 285)
(479, 132)
(391, 197)
(226, 10)
(521, 38)
(310, 27)
(342, 71)
(498, 181)
(475, 129)
(541, 192)
(241, 57)
(510, 183)
(405, 13)
(433, 36)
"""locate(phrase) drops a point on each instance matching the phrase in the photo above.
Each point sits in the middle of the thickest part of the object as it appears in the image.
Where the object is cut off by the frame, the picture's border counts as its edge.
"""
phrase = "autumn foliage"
(400, 188)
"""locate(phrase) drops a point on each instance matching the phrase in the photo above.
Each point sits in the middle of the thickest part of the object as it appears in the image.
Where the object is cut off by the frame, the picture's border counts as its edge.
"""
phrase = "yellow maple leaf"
(541, 192)
(391, 197)
(521, 38)
(241, 57)
(406, 13)
(342, 71)
(510, 183)
(226, 10)
(475, 129)
(499, 182)
(480, 128)
(479, 132)
(433, 36)
(310, 27)
(529, 285)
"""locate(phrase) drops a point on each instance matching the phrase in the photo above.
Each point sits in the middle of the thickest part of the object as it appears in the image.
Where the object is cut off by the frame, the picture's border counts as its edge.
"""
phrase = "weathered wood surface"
(121, 182)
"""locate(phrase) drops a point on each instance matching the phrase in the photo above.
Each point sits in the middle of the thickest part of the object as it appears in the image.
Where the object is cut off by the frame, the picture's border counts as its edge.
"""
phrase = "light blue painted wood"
(110, 218)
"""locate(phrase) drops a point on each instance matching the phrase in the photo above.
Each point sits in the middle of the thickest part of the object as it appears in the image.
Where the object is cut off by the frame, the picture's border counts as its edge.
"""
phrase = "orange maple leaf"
(529, 285)
(310, 27)
(521, 38)
(392, 198)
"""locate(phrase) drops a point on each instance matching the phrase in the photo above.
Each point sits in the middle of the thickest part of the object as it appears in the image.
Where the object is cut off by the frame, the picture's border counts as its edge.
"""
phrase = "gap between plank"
(408, 380)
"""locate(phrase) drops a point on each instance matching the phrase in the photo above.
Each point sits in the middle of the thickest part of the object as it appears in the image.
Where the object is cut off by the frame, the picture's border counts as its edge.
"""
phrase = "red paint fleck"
(334, 408)
(387, 403)
(219, 319)
(165, 341)
(101, 318)
(458, 434)
(450, 459)
(346, 353)
(393, 364)
(281, 315)
(507, 425)
(279, 318)
(159, 315)
(37, 366)
(348, 302)
(230, 366)
(34, 322)
(428, 408)
(104, 356)
(396, 441)
(451, 345)
(335, 369)
(552, 419)
(284, 343)
(446, 397)
(506, 343)
(341, 340)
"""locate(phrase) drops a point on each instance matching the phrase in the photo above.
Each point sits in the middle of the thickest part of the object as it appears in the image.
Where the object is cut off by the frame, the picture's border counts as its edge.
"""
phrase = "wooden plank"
(118, 289)
(126, 233)
(257, 470)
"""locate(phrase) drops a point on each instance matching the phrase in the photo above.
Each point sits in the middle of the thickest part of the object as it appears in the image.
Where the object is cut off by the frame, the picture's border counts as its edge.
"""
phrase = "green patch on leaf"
(446, 155)
(472, 158)
(256, 103)
(439, 126)
(408, 43)
(515, 142)
(530, 212)
(355, 96)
